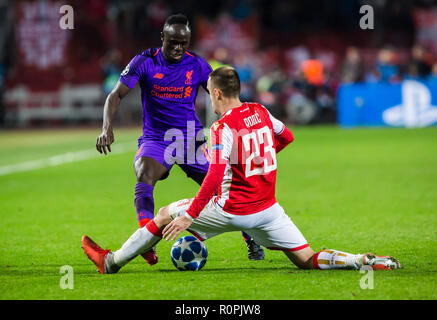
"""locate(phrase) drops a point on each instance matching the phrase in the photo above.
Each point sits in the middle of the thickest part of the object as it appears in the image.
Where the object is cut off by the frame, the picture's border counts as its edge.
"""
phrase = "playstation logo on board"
(415, 111)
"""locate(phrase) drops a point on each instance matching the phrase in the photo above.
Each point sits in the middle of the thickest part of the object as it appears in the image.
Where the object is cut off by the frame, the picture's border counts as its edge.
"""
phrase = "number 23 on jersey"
(259, 152)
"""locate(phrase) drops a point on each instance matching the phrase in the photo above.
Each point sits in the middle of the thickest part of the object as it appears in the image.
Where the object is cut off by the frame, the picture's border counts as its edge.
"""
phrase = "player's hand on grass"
(174, 228)
(104, 141)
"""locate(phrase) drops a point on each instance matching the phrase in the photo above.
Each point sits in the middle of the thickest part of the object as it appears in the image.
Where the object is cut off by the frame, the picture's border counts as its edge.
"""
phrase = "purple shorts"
(191, 157)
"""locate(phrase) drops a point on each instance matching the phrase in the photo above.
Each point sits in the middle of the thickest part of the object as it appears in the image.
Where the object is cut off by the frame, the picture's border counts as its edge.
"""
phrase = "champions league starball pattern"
(189, 254)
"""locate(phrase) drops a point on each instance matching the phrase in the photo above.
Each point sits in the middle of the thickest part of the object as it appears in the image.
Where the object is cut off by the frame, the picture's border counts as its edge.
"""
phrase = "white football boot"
(377, 262)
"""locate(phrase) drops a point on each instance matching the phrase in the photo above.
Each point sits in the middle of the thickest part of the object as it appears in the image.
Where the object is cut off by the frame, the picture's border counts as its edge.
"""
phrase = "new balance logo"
(158, 76)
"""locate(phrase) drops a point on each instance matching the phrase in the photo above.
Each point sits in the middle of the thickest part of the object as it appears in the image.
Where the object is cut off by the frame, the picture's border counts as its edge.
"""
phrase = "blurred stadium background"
(307, 61)
(367, 189)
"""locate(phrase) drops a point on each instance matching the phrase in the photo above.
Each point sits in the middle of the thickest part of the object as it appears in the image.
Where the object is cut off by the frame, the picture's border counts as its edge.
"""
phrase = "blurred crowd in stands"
(291, 55)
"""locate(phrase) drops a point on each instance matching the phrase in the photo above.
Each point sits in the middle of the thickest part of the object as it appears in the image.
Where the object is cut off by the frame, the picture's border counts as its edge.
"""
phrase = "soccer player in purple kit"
(169, 78)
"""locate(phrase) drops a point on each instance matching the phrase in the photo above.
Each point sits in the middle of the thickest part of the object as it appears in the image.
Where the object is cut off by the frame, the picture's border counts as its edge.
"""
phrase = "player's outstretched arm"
(112, 103)
(283, 135)
(283, 139)
(209, 187)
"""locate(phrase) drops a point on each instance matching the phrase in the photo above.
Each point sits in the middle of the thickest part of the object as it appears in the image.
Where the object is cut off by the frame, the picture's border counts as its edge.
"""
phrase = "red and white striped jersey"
(245, 139)
(244, 143)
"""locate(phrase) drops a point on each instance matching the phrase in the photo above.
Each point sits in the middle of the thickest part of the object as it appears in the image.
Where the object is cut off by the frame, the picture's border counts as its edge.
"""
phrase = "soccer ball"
(188, 253)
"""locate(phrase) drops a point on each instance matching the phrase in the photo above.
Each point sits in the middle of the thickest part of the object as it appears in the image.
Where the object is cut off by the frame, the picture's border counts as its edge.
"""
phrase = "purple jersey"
(168, 90)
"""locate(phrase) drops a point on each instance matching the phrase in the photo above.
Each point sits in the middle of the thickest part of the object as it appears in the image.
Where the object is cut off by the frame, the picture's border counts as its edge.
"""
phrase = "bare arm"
(112, 104)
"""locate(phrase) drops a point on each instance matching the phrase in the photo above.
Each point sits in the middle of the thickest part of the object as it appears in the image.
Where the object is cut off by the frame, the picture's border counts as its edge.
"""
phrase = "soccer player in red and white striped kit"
(238, 193)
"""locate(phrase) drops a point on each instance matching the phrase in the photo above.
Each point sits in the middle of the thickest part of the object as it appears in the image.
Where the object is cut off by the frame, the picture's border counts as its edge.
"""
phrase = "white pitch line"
(65, 158)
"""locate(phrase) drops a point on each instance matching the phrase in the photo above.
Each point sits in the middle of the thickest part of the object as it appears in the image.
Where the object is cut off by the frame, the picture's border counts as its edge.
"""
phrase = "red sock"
(153, 229)
(144, 221)
(315, 263)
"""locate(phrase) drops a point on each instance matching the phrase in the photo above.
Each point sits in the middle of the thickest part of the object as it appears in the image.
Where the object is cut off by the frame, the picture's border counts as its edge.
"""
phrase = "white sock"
(139, 242)
(333, 259)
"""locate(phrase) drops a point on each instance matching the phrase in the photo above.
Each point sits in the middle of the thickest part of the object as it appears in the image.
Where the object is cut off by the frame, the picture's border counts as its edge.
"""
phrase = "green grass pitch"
(353, 190)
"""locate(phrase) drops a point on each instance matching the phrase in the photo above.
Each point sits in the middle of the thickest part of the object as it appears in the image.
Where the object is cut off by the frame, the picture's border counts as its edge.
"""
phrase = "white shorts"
(271, 228)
